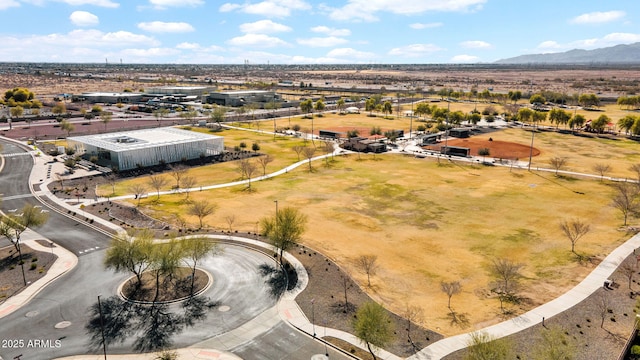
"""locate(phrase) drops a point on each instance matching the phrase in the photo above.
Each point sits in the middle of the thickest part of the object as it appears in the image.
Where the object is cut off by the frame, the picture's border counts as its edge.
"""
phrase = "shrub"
(33, 266)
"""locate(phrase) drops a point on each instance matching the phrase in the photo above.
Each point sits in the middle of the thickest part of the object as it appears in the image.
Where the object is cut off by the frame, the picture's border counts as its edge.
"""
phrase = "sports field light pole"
(446, 129)
(531, 149)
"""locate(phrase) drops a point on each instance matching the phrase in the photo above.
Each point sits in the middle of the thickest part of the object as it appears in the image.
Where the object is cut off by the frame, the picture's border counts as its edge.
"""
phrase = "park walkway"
(289, 311)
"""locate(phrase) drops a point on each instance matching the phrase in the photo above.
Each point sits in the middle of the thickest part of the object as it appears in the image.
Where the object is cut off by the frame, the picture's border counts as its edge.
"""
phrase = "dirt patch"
(497, 148)
(36, 264)
(324, 300)
(581, 323)
(171, 288)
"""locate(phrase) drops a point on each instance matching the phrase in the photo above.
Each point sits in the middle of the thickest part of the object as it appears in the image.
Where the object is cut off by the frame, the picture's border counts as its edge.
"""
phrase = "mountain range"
(619, 54)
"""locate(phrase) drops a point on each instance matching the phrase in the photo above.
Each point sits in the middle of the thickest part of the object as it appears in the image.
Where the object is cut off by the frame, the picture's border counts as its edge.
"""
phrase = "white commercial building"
(140, 148)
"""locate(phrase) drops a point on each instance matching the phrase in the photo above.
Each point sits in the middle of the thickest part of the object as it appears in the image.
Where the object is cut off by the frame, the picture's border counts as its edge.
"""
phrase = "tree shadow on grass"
(152, 325)
(460, 320)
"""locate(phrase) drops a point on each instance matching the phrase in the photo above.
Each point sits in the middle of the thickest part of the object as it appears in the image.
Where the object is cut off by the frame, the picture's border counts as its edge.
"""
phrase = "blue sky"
(308, 32)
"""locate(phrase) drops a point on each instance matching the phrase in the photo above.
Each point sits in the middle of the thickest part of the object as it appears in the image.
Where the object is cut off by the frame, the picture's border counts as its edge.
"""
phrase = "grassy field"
(428, 222)
(581, 153)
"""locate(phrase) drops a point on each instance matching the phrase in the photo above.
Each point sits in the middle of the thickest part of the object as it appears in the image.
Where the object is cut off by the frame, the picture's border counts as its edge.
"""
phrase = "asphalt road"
(284, 342)
(75, 237)
(238, 289)
(53, 323)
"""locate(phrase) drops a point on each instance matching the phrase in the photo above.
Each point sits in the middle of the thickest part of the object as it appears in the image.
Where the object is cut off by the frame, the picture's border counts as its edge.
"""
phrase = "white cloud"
(268, 8)
(257, 40)
(101, 3)
(166, 27)
(331, 31)
(476, 44)
(5, 4)
(414, 50)
(464, 59)
(188, 46)
(322, 41)
(264, 27)
(229, 7)
(420, 26)
(164, 4)
(350, 54)
(82, 45)
(621, 38)
(83, 18)
(598, 17)
(365, 10)
(96, 38)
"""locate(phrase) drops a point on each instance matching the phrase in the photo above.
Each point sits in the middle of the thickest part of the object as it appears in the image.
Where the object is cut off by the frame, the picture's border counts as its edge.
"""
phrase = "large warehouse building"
(140, 148)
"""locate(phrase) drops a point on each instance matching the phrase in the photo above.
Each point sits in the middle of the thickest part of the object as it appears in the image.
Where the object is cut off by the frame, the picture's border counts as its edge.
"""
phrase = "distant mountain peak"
(618, 54)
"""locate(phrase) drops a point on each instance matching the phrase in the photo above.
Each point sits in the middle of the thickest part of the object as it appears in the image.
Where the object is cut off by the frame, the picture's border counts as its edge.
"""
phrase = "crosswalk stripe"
(17, 154)
(13, 197)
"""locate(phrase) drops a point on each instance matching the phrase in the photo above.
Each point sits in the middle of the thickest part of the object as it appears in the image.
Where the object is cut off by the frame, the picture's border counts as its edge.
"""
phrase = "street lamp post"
(326, 351)
(313, 317)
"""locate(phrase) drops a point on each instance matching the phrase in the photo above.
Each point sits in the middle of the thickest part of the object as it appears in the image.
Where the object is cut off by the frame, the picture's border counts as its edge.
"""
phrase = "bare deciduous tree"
(158, 181)
(558, 163)
(298, 149)
(450, 288)
(345, 281)
(264, 161)
(506, 274)
(412, 313)
(327, 148)
(188, 183)
(308, 153)
(368, 264)
(60, 180)
(602, 306)
(247, 169)
(112, 179)
(602, 169)
(574, 230)
(178, 172)
(138, 190)
(629, 268)
(230, 219)
(625, 199)
(201, 209)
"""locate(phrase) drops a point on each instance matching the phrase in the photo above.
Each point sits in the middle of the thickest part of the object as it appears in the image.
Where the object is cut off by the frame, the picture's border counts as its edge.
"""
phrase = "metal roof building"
(140, 148)
(107, 97)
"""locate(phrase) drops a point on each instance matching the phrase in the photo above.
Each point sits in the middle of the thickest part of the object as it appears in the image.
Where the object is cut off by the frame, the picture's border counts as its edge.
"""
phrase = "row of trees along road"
(137, 252)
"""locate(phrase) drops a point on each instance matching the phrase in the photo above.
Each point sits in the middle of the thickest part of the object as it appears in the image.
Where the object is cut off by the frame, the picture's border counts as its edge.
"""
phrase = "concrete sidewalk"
(66, 261)
(584, 289)
(287, 309)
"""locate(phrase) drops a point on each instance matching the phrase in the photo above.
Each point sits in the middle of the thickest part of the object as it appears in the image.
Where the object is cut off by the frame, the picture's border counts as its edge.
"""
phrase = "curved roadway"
(238, 289)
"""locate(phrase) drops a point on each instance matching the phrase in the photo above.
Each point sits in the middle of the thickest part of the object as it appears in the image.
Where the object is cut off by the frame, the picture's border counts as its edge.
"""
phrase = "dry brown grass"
(430, 223)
